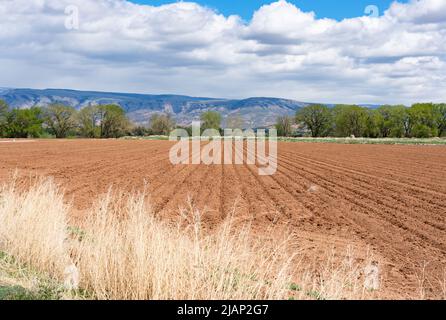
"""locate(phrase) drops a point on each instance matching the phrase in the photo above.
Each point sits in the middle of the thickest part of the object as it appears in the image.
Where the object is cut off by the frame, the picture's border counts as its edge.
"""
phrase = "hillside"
(255, 112)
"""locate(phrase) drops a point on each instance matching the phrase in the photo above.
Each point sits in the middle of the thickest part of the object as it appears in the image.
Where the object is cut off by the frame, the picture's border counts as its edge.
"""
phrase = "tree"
(284, 126)
(420, 130)
(371, 124)
(317, 118)
(88, 118)
(60, 119)
(350, 120)
(440, 118)
(4, 109)
(394, 121)
(210, 120)
(140, 131)
(384, 120)
(402, 122)
(423, 119)
(24, 123)
(161, 124)
(103, 121)
(113, 122)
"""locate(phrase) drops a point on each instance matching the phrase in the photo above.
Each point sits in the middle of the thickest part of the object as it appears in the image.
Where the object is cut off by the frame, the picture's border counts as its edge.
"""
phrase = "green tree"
(350, 120)
(103, 121)
(440, 118)
(113, 122)
(161, 124)
(423, 119)
(317, 118)
(60, 119)
(284, 126)
(210, 120)
(88, 119)
(4, 109)
(24, 123)
(384, 120)
(394, 121)
(402, 122)
(140, 131)
(371, 129)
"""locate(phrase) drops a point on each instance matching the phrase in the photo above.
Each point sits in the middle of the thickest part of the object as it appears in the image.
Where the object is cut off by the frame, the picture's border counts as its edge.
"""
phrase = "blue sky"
(323, 8)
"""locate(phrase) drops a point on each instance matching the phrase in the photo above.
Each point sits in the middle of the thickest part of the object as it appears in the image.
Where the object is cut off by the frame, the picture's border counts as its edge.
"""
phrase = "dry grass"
(129, 254)
(123, 251)
(337, 279)
(33, 225)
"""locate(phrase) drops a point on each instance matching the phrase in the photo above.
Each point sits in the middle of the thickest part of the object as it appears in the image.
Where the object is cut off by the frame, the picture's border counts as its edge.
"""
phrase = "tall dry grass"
(130, 254)
(33, 224)
(123, 251)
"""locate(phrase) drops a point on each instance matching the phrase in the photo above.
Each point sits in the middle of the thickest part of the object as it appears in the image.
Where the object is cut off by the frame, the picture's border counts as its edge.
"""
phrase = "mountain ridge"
(254, 111)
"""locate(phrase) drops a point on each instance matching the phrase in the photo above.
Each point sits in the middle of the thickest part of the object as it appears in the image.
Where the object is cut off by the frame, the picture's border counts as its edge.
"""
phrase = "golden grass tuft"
(130, 254)
(33, 224)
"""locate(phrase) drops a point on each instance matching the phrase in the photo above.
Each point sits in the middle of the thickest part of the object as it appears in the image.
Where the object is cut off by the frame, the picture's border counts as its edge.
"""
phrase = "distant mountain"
(255, 112)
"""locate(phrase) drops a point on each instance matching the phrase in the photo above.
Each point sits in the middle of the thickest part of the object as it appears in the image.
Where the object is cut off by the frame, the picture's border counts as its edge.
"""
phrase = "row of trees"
(101, 121)
(421, 120)
(163, 124)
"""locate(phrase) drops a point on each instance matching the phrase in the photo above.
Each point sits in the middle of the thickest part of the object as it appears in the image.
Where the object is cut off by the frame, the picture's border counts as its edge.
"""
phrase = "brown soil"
(389, 200)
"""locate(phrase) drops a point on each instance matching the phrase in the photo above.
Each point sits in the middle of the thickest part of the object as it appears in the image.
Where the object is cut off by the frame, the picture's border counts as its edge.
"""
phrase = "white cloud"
(189, 49)
(419, 11)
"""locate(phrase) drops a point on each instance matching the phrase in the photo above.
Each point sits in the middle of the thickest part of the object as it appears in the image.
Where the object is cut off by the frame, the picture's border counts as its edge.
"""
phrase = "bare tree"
(161, 124)
(284, 126)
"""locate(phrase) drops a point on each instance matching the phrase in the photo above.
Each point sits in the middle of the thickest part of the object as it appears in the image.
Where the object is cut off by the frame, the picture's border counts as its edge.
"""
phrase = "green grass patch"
(315, 295)
(17, 282)
(145, 138)
(388, 141)
(76, 233)
(295, 287)
(42, 292)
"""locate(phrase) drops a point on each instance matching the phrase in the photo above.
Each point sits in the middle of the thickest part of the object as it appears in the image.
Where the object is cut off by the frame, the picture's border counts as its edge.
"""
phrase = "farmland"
(388, 200)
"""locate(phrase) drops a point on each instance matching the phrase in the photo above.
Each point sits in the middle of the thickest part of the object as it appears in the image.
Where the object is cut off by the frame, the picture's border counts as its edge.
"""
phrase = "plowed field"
(390, 200)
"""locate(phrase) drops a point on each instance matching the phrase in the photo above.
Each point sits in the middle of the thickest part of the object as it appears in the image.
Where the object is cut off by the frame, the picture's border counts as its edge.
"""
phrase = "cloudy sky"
(305, 50)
